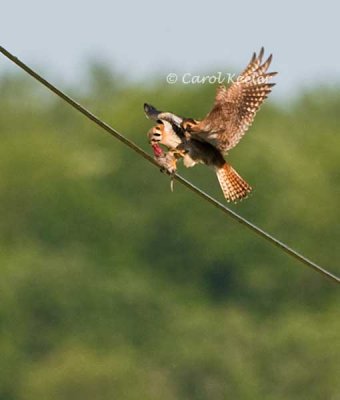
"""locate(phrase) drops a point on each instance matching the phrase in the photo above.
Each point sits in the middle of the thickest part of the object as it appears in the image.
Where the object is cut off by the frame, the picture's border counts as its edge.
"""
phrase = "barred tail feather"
(233, 186)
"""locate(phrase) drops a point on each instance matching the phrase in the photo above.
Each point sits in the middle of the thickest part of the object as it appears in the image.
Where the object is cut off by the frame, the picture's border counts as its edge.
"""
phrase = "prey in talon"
(208, 140)
(167, 161)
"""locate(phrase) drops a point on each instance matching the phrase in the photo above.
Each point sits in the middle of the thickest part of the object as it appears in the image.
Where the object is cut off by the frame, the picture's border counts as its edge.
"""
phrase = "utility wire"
(179, 178)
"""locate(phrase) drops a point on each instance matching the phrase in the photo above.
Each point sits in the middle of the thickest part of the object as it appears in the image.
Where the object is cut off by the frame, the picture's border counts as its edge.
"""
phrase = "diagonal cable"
(179, 178)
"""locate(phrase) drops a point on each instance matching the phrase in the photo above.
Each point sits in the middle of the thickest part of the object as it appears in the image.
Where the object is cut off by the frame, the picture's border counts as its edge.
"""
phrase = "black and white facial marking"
(155, 135)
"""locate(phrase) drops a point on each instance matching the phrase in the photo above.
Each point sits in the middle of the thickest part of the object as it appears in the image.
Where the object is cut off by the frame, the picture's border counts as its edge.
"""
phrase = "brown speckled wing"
(235, 107)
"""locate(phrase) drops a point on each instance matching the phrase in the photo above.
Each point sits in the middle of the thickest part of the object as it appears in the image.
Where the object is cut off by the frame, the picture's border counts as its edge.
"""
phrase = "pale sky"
(154, 37)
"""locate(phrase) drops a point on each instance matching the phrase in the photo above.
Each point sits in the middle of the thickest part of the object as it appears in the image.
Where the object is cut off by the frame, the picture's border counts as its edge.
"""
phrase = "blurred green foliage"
(112, 287)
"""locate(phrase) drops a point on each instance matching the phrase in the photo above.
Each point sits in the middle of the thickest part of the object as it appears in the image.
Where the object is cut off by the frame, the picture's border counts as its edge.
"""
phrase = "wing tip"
(269, 59)
(261, 53)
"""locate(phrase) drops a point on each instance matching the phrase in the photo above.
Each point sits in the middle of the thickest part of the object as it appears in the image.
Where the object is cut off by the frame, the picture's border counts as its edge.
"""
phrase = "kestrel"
(207, 141)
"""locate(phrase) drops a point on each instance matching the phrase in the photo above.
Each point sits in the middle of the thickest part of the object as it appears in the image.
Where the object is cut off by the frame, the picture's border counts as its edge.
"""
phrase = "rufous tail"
(233, 186)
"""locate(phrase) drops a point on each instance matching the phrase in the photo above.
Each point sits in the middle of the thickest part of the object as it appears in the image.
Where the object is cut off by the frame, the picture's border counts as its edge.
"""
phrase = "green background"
(112, 287)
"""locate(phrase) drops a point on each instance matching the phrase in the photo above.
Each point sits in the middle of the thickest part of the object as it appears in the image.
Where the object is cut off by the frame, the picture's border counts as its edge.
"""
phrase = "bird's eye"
(157, 134)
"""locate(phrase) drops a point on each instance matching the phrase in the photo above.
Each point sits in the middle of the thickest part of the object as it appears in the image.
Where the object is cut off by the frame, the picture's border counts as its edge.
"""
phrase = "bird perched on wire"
(207, 141)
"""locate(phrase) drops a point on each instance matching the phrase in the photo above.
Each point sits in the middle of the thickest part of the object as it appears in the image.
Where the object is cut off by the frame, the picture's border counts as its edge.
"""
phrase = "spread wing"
(235, 107)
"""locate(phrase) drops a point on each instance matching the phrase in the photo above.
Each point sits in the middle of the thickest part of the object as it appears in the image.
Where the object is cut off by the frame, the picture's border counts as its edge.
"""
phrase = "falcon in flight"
(207, 141)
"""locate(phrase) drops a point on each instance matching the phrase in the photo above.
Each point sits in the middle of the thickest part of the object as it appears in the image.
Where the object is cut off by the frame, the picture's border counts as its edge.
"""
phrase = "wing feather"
(235, 107)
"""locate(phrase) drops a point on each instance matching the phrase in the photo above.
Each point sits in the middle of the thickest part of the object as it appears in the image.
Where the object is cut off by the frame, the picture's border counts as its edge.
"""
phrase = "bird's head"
(187, 124)
(155, 134)
(163, 133)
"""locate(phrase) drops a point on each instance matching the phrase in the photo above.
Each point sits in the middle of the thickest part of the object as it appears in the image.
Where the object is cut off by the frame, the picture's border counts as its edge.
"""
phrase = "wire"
(179, 178)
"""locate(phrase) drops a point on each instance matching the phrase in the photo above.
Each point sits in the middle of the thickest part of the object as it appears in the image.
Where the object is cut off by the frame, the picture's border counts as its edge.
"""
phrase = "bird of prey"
(207, 141)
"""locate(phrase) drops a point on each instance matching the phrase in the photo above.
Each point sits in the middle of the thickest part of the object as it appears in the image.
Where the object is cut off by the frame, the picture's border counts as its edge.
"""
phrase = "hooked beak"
(151, 140)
